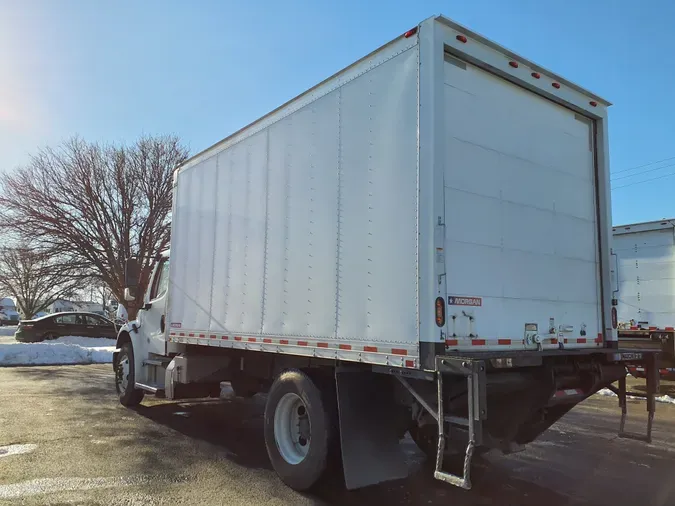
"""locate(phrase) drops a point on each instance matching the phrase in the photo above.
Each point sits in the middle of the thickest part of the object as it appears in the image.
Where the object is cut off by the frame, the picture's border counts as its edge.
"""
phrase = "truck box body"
(439, 166)
(644, 270)
(438, 215)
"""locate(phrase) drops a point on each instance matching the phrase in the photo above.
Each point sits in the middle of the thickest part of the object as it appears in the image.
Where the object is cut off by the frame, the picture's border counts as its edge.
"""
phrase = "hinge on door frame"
(439, 249)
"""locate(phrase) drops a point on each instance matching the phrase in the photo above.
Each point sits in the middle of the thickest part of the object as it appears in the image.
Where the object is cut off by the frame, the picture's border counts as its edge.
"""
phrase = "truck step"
(652, 374)
(157, 362)
(473, 372)
(153, 389)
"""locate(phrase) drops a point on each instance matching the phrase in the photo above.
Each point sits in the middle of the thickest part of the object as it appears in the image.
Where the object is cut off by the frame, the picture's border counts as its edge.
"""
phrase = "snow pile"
(64, 350)
(666, 399)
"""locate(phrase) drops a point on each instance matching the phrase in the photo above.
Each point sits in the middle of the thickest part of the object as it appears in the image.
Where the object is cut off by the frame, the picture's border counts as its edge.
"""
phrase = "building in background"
(90, 307)
(61, 305)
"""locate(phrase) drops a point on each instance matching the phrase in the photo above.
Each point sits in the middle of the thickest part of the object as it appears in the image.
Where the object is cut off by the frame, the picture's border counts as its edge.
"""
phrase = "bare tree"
(97, 291)
(98, 204)
(36, 279)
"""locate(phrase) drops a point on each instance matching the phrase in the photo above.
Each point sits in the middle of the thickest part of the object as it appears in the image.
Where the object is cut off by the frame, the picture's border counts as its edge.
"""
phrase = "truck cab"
(145, 335)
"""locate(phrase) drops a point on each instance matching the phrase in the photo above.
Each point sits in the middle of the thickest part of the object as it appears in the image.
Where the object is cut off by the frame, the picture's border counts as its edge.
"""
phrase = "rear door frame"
(439, 36)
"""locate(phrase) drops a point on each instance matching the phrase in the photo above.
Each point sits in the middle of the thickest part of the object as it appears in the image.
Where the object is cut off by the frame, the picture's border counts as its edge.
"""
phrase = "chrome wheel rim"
(123, 374)
(292, 428)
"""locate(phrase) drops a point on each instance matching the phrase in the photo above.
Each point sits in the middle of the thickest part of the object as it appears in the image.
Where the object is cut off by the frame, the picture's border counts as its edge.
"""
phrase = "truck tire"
(300, 428)
(125, 378)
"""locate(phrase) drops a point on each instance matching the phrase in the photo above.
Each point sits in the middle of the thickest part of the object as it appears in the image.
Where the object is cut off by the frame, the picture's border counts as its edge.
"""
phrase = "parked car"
(65, 324)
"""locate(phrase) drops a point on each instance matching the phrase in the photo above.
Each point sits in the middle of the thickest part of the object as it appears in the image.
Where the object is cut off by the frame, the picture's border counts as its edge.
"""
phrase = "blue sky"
(112, 70)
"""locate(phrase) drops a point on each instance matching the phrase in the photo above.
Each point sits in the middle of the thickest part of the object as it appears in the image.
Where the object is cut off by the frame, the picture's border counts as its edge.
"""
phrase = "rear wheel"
(125, 381)
(300, 429)
(49, 336)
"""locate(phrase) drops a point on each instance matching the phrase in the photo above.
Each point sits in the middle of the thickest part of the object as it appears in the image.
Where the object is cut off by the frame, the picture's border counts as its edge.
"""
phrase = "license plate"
(631, 356)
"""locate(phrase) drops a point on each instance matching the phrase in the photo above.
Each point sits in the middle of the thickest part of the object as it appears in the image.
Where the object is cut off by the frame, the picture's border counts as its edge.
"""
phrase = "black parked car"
(65, 324)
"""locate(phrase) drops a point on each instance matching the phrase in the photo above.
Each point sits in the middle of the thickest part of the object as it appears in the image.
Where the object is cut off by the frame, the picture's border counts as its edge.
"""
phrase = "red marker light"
(440, 311)
(461, 38)
(556, 85)
(593, 103)
(410, 33)
(514, 64)
(535, 75)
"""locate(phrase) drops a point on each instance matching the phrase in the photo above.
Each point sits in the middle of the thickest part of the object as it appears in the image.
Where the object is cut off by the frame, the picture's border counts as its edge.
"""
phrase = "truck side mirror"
(132, 271)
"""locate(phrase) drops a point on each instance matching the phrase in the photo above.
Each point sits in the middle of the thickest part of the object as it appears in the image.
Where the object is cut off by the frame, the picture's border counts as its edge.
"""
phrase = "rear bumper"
(620, 354)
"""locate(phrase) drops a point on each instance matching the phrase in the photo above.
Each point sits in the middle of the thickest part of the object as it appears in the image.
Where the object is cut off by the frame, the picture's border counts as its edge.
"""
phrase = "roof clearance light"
(410, 33)
(461, 38)
(556, 85)
(514, 64)
(593, 103)
(536, 75)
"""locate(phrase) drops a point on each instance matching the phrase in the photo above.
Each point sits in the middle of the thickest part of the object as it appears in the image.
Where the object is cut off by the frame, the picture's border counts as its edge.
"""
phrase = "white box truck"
(644, 270)
(420, 243)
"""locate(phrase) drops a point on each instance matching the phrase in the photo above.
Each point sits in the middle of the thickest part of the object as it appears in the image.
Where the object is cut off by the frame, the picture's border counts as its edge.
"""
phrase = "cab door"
(152, 316)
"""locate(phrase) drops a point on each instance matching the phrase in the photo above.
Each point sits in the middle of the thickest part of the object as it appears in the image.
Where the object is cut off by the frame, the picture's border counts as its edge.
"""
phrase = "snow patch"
(16, 449)
(64, 350)
(665, 399)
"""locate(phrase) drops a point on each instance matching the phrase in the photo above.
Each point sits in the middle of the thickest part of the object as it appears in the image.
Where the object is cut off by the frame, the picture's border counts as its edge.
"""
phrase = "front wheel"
(125, 378)
(300, 429)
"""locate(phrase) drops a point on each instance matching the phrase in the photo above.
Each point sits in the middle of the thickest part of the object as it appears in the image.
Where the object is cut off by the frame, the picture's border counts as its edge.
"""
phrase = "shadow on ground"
(236, 426)
(665, 388)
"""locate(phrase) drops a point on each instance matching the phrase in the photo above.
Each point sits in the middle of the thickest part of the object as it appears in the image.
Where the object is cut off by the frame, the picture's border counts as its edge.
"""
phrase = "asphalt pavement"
(64, 439)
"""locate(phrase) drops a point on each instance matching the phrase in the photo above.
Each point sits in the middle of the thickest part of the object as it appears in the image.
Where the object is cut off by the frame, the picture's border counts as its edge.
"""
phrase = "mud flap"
(371, 452)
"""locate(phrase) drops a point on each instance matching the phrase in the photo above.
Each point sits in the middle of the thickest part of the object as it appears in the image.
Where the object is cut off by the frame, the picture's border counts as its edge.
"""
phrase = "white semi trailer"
(644, 271)
(420, 243)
